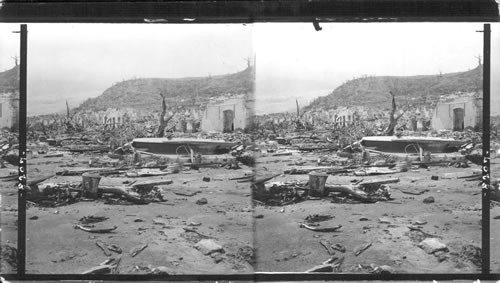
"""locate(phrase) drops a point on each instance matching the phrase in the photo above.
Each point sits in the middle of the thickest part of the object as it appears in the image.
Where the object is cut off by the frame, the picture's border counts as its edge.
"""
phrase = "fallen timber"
(96, 230)
(321, 229)
(122, 191)
(401, 144)
(189, 160)
(126, 191)
(285, 193)
(175, 146)
(436, 159)
(82, 148)
(347, 189)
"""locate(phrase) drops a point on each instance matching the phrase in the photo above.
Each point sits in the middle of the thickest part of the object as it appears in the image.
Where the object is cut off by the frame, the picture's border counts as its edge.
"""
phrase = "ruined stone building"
(227, 114)
(416, 119)
(9, 110)
(344, 117)
(458, 114)
(115, 118)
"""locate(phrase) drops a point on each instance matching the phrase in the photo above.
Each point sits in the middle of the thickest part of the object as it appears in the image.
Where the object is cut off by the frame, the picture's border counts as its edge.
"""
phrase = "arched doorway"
(458, 119)
(228, 121)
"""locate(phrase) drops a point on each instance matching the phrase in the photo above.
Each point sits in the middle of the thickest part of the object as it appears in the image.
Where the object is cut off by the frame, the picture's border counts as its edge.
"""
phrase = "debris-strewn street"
(495, 214)
(8, 218)
(185, 220)
(8, 202)
(388, 215)
(180, 155)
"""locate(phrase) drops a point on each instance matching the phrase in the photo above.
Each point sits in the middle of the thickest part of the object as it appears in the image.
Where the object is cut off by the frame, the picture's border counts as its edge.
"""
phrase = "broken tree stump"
(317, 184)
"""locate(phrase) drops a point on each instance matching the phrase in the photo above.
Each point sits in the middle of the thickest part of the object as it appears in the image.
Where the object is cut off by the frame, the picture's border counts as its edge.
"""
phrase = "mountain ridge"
(9, 80)
(374, 91)
(144, 93)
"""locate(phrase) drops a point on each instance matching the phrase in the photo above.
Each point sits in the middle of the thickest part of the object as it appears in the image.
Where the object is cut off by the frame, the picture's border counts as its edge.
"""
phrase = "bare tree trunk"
(393, 120)
(69, 125)
(161, 129)
(43, 129)
(163, 122)
(67, 109)
(273, 128)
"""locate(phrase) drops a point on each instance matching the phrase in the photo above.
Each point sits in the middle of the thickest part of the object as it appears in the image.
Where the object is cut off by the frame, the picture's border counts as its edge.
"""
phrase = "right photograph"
(370, 139)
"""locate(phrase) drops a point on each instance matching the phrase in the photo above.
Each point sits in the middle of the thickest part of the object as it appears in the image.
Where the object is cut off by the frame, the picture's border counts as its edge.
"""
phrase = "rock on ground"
(432, 245)
(208, 246)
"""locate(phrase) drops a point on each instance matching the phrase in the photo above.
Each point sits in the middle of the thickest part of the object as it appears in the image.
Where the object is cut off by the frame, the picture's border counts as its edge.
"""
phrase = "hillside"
(144, 93)
(9, 80)
(374, 91)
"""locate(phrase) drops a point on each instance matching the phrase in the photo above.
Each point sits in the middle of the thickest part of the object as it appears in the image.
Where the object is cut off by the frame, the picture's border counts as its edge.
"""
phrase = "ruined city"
(390, 189)
(379, 175)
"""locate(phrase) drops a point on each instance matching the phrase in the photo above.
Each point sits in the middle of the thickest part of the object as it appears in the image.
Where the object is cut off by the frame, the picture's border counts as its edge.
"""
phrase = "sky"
(296, 61)
(77, 61)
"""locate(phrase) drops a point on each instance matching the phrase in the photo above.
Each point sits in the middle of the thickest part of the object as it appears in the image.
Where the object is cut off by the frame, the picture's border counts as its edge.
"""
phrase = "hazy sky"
(296, 61)
(77, 61)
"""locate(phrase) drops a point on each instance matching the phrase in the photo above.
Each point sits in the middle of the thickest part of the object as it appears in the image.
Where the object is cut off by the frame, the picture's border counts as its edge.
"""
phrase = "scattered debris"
(91, 229)
(382, 269)
(413, 191)
(472, 253)
(328, 246)
(8, 255)
(331, 265)
(361, 248)
(103, 247)
(136, 250)
(317, 218)
(91, 219)
(186, 193)
(160, 270)
(202, 201)
(321, 229)
(108, 266)
(339, 247)
(428, 200)
(321, 268)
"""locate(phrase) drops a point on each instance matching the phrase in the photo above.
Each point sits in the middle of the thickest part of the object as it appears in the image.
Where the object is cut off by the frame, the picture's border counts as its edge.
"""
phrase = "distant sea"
(275, 102)
(56, 103)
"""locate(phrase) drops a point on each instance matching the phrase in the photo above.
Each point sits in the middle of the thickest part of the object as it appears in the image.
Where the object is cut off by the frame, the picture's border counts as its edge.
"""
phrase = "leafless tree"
(69, 124)
(163, 122)
(478, 57)
(393, 120)
(16, 60)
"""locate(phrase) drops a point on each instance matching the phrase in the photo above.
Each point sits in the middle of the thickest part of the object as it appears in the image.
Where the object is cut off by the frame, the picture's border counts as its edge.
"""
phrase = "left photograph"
(9, 146)
(139, 160)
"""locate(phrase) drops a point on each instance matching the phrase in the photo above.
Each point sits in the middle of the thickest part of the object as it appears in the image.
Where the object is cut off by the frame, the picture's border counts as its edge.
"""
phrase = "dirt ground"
(8, 218)
(454, 218)
(495, 220)
(55, 246)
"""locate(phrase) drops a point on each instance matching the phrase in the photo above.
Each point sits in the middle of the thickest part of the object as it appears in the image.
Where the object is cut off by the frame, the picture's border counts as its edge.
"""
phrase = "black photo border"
(238, 12)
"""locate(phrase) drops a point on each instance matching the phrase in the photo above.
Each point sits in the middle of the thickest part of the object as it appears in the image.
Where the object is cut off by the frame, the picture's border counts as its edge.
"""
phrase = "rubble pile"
(9, 148)
(278, 193)
(316, 172)
(284, 193)
(95, 174)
